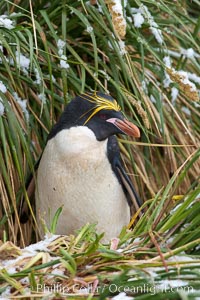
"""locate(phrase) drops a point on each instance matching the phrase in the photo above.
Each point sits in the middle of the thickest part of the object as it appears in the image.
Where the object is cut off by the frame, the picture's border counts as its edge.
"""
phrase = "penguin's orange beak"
(125, 126)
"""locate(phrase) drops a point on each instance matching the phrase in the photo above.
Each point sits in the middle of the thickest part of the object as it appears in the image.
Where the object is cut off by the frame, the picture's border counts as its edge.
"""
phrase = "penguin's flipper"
(114, 157)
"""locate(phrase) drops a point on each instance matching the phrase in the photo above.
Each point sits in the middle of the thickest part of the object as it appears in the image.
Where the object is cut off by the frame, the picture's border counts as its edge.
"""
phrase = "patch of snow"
(197, 247)
(117, 7)
(89, 29)
(174, 94)
(185, 80)
(6, 294)
(84, 290)
(38, 77)
(23, 62)
(132, 279)
(11, 270)
(167, 61)
(137, 240)
(100, 9)
(31, 251)
(122, 47)
(144, 83)
(178, 258)
(2, 109)
(193, 77)
(152, 273)
(42, 97)
(42, 245)
(107, 77)
(175, 209)
(138, 20)
(120, 250)
(189, 53)
(135, 10)
(51, 77)
(167, 80)
(152, 98)
(120, 44)
(196, 104)
(157, 33)
(87, 267)
(63, 62)
(186, 110)
(3, 88)
(170, 240)
(22, 104)
(122, 296)
(60, 44)
(6, 22)
(152, 24)
(58, 272)
(166, 283)
(24, 280)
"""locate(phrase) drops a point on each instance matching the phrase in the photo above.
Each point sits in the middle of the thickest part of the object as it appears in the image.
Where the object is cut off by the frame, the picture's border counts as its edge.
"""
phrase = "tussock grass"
(52, 52)
(157, 257)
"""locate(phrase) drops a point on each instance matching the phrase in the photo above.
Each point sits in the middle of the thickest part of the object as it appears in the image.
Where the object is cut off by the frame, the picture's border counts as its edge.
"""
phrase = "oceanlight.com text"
(112, 288)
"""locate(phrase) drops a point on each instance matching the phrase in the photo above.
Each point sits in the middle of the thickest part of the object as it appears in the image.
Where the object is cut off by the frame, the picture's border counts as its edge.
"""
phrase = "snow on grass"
(2, 109)
(60, 44)
(63, 58)
(6, 22)
(185, 80)
(3, 88)
(140, 15)
(42, 245)
(89, 29)
(167, 80)
(174, 94)
(122, 47)
(122, 296)
(166, 284)
(38, 77)
(29, 251)
(180, 258)
(23, 104)
(145, 83)
(22, 61)
(6, 294)
(152, 24)
(193, 77)
(188, 53)
(42, 97)
(153, 99)
(167, 61)
(138, 20)
(63, 62)
(186, 110)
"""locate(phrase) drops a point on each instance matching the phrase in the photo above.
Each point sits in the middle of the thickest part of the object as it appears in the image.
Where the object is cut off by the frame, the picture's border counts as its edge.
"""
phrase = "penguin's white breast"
(75, 172)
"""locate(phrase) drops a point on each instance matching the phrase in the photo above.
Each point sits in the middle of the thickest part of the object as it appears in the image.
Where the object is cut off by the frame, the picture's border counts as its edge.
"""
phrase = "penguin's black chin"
(125, 127)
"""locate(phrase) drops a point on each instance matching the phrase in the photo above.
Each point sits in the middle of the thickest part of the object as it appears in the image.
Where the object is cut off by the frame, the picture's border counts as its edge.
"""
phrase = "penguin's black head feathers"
(99, 112)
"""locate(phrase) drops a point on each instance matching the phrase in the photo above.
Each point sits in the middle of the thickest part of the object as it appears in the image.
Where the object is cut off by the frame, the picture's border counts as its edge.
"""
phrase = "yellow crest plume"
(100, 103)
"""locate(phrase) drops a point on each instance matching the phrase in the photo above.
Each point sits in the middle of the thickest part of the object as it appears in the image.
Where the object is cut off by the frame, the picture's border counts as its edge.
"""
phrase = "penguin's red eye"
(102, 116)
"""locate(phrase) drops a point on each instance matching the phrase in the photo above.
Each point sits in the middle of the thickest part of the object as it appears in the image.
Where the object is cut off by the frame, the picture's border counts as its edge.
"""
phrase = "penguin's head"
(99, 112)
